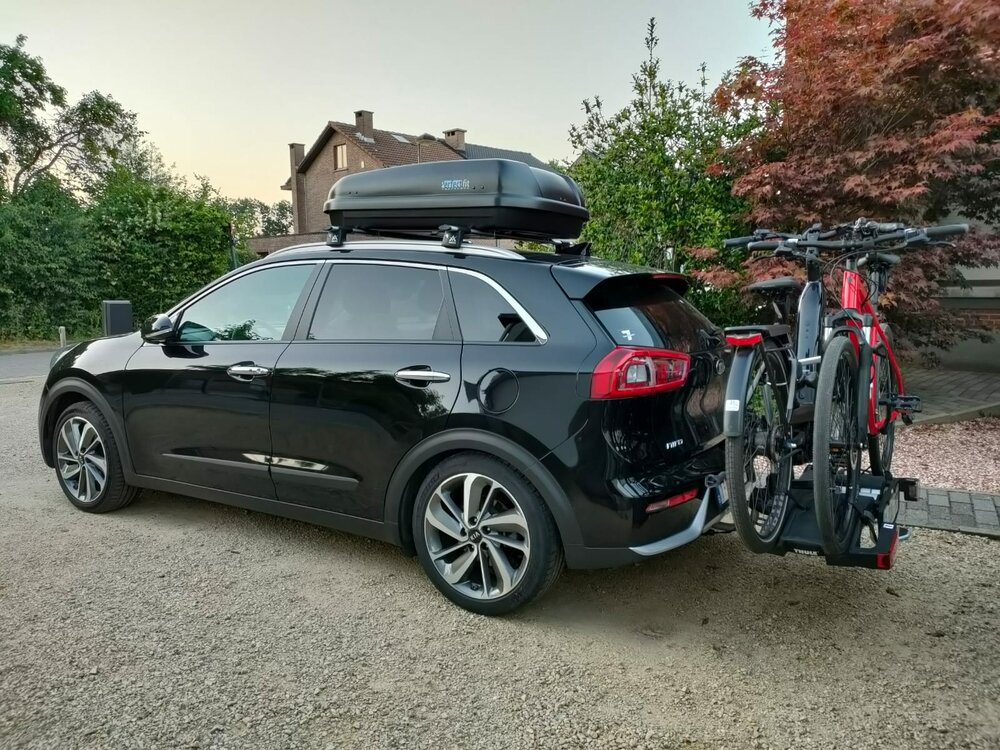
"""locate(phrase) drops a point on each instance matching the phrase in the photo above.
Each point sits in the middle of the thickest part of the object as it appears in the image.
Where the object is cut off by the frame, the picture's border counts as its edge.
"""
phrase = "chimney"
(455, 138)
(296, 153)
(363, 122)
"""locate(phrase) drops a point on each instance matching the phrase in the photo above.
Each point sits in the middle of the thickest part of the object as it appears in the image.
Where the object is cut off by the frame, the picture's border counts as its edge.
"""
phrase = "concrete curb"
(983, 410)
(988, 533)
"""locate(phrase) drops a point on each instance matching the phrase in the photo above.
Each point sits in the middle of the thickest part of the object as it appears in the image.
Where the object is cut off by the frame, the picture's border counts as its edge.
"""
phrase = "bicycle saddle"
(780, 285)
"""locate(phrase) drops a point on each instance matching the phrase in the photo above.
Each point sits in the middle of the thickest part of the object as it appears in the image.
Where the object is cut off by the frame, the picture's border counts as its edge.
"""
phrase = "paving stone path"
(953, 395)
(954, 510)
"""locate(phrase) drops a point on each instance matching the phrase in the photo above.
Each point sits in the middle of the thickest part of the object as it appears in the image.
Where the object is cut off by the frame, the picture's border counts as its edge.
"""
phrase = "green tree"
(48, 273)
(888, 110)
(156, 243)
(255, 218)
(41, 134)
(656, 180)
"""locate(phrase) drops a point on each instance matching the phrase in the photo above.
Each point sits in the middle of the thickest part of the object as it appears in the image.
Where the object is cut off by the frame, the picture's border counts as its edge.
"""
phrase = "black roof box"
(497, 197)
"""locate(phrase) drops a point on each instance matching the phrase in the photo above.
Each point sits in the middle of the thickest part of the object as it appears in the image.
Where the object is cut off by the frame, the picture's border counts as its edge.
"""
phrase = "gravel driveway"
(964, 455)
(179, 623)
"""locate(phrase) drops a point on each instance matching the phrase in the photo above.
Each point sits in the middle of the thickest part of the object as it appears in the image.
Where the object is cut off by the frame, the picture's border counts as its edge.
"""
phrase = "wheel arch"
(422, 458)
(63, 394)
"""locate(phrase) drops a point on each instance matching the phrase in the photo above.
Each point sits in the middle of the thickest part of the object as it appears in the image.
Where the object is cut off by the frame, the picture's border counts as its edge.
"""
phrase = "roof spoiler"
(579, 280)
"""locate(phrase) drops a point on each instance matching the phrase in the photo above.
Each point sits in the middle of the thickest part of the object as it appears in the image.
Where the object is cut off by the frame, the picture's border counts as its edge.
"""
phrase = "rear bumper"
(711, 507)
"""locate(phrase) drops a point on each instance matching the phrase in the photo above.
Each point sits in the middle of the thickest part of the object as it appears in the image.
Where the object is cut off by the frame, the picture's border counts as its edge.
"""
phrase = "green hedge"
(148, 243)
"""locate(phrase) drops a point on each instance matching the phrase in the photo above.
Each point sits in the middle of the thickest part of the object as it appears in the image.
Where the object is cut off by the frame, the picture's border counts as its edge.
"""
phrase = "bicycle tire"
(836, 446)
(768, 503)
(880, 447)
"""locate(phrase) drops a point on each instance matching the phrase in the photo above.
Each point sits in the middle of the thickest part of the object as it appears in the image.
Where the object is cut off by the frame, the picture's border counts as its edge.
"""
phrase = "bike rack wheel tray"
(801, 534)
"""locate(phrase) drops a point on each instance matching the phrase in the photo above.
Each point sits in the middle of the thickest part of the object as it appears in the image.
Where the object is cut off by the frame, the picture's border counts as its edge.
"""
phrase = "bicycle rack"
(876, 496)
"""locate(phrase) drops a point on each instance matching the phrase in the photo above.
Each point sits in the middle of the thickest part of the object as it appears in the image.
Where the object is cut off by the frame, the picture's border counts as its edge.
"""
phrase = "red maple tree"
(887, 109)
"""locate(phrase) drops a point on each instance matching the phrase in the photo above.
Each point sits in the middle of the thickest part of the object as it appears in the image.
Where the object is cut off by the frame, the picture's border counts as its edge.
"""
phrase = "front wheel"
(87, 464)
(758, 465)
(484, 536)
(836, 446)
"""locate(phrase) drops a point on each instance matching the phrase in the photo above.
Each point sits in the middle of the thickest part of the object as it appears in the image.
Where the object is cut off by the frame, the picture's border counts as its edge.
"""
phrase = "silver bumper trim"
(697, 527)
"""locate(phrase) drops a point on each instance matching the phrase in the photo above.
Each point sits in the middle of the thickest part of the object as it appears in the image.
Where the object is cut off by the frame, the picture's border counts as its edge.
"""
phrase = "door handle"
(247, 372)
(412, 375)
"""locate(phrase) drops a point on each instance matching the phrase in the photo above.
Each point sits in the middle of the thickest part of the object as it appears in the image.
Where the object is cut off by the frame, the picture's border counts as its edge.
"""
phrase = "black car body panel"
(341, 430)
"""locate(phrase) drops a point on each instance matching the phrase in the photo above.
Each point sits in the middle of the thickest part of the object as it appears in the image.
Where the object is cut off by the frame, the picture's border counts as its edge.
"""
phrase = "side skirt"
(318, 516)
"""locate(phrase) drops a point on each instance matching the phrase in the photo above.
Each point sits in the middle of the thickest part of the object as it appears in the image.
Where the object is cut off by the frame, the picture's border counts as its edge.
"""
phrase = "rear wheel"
(758, 467)
(836, 446)
(484, 535)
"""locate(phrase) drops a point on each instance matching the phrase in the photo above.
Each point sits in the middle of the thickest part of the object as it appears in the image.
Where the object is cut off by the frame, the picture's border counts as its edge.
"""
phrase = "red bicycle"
(823, 398)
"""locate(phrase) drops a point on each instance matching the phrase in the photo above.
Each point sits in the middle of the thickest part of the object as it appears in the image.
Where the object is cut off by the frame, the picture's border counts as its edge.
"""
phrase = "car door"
(196, 407)
(372, 372)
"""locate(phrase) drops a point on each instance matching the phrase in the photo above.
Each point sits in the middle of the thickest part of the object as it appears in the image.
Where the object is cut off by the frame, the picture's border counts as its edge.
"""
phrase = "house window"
(340, 156)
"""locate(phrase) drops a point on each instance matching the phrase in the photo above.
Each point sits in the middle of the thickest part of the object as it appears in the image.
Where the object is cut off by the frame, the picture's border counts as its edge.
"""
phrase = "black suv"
(493, 412)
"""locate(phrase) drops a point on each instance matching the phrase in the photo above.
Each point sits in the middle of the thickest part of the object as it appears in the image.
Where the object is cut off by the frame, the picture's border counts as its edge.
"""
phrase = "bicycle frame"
(855, 295)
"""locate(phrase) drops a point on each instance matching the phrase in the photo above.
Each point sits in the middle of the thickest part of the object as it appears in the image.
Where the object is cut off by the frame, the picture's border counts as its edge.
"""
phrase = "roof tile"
(392, 152)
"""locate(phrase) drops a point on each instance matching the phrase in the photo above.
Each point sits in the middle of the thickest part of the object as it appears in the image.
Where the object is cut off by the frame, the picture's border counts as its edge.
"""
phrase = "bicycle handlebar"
(764, 239)
(946, 230)
(738, 241)
(764, 245)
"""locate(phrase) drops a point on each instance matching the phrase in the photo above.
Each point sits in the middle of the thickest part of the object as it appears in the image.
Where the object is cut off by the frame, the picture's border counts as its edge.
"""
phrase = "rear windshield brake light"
(633, 371)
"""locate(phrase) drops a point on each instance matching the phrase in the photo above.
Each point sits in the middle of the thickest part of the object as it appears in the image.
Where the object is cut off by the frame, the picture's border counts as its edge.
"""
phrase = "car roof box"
(496, 197)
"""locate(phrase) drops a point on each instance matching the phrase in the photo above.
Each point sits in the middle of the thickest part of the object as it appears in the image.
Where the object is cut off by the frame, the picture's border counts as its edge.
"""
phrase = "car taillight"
(633, 371)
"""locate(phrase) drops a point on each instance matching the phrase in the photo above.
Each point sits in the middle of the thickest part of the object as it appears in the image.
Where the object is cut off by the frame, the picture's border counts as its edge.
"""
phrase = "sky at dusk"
(222, 87)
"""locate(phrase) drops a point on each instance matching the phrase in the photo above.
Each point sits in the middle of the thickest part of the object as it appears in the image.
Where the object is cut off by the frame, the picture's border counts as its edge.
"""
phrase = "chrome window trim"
(529, 321)
(184, 304)
(533, 325)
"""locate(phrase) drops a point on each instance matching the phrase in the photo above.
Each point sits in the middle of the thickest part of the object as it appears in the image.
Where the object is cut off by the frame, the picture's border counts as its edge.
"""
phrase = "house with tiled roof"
(344, 148)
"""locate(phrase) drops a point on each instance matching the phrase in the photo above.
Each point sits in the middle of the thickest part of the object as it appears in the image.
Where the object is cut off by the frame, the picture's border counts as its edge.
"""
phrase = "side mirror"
(158, 329)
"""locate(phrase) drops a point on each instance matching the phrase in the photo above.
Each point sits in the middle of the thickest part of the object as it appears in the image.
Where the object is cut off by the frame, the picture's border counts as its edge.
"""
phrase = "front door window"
(255, 307)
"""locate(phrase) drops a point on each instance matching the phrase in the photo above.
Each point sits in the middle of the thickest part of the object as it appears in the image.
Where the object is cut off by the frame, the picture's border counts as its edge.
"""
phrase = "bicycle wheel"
(880, 446)
(757, 478)
(836, 446)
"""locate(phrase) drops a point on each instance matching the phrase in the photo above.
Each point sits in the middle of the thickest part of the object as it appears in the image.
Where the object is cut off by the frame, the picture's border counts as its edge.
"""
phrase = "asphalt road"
(179, 623)
(24, 364)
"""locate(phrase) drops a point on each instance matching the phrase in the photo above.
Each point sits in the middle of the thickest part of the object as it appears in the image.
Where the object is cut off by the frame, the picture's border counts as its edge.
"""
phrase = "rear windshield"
(644, 311)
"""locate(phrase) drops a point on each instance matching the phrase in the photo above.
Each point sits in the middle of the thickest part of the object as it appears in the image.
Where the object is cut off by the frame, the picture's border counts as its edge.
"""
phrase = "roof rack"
(451, 200)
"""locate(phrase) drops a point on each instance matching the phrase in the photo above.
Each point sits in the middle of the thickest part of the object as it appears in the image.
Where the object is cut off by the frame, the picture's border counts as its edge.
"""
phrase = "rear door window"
(484, 315)
(374, 302)
(644, 311)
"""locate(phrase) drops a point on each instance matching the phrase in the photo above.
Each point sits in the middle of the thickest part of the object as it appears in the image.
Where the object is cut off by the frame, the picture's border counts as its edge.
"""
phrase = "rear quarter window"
(644, 311)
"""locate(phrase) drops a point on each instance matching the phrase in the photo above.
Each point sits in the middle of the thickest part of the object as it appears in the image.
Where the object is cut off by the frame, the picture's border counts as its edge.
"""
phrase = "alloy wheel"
(477, 536)
(81, 459)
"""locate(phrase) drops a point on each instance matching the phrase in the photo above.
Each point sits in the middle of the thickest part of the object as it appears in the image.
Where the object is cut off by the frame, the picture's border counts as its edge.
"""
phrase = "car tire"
(484, 536)
(88, 465)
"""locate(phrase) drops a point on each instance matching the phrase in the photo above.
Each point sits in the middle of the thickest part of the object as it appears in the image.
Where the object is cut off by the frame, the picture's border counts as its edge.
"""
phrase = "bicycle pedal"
(903, 403)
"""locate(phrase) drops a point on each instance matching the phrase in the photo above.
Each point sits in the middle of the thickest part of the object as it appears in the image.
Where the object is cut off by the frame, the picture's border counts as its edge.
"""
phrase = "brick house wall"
(321, 175)
(266, 245)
